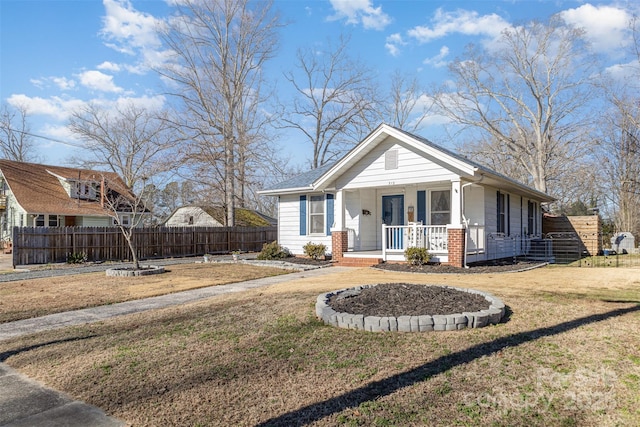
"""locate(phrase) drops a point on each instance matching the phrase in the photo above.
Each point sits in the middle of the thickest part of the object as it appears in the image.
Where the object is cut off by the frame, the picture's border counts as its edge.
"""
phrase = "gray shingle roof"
(303, 180)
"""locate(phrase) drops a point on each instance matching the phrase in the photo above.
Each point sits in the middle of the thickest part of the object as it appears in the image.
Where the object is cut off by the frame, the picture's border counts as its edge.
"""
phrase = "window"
(440, 207)
(53, 220)
(39, 221)
(83, 190)
(190, 221)
(316, 214)
(531, 217)
(125, 220)
(503, 213)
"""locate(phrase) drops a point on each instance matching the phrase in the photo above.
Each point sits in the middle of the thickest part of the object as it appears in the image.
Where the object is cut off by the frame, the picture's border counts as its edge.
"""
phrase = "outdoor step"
(358, 262)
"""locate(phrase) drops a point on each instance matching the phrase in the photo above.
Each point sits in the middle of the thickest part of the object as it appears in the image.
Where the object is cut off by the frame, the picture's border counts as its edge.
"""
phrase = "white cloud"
(109, 66)
(55, 107)
(606, 27)
(129, 31)
(438, 60)
(64, 83)
(150, 103)
(127, 27)
(360, 12)
(97, 80)
(461, 21)
(393, 43)
(39, 83)
(623, 72)
(59, 132)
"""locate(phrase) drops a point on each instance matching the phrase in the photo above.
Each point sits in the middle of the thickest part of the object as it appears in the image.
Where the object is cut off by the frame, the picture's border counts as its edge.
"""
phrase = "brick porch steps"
(358, 262)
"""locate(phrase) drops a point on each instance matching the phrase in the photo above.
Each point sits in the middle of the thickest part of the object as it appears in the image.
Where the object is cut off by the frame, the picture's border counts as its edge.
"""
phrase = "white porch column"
(456, 203)
(338, 212)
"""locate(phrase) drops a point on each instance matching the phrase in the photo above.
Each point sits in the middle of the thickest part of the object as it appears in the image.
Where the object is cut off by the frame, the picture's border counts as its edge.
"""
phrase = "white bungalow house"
(396, 190)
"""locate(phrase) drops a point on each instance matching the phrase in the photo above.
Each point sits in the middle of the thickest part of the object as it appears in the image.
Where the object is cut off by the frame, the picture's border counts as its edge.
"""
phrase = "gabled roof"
(37, 188)
(244, 217)
(319, 179)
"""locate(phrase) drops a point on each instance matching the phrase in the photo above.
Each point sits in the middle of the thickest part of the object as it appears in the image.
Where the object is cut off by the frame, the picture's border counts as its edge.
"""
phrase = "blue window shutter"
(422, 207)
(329, 213)
(303, 215)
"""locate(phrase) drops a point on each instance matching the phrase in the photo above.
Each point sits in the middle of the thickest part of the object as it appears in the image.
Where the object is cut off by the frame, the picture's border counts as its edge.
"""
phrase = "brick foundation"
(456, 243)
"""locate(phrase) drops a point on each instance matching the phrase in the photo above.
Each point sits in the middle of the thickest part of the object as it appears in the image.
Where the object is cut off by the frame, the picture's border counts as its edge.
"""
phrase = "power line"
(71, 144)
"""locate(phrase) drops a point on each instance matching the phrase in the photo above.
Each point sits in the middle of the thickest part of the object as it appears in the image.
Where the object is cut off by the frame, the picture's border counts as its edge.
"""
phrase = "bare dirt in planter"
(403, 299)
(501, 266)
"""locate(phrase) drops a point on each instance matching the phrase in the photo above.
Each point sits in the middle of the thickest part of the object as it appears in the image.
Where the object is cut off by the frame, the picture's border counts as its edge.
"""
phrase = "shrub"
(315, 250)
(417, 256)
(273, 251)
(76, 258)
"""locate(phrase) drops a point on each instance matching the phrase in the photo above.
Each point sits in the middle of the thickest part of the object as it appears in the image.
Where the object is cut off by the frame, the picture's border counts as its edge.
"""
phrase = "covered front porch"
(381, 223)
(396, 239)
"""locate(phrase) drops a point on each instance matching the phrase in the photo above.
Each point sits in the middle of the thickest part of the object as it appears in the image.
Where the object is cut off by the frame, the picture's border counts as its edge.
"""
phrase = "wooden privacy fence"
(43, 245)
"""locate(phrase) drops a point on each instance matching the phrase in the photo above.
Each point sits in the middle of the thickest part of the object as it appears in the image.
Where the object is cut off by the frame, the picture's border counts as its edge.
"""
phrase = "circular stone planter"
(145, 270)
(423, 323)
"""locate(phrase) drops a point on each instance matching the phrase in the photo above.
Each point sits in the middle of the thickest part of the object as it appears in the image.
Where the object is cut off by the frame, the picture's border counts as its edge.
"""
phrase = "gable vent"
(391, 160)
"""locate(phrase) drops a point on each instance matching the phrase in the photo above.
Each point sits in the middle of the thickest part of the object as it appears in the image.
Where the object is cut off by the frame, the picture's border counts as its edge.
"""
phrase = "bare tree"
(219, 49)
(335, 94)
(15, 137)
(618, 155)
(127, 210)
(129, 140)
(619, 161)
(527, 92)
(407, 105)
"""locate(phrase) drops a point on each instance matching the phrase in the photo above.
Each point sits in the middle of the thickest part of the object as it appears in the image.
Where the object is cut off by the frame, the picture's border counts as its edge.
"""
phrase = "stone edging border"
(425, 323)
(146, 270)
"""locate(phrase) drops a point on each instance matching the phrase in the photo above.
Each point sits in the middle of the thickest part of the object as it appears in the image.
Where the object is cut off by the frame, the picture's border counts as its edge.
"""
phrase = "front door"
(393, 214)
(393, 210)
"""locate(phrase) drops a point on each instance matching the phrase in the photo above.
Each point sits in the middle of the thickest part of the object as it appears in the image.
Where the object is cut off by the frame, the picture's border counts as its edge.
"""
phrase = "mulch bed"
(403, 299)
(494, 267)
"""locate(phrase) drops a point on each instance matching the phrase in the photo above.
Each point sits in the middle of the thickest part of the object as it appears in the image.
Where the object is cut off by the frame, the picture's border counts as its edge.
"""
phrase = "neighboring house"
(34, 195)
(396, 190)
(214, 216)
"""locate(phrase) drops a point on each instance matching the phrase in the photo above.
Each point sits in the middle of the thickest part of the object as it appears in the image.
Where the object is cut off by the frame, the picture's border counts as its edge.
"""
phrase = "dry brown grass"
(567, 356)
(31, 298)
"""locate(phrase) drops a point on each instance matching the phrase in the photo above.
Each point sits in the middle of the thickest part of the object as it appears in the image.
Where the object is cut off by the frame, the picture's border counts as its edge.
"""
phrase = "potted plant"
(235, 254)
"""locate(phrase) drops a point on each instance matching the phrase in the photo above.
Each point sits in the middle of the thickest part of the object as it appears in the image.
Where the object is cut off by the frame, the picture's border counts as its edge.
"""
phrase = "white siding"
(289, 227)
(353, 216)
(369, 229)
(413, 168)
(518, 212)
(490, 212)
(93, 221)
(474, 202)
(180, 218)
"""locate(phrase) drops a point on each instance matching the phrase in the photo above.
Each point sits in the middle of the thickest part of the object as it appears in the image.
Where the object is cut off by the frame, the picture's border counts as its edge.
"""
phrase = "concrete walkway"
(24, 402)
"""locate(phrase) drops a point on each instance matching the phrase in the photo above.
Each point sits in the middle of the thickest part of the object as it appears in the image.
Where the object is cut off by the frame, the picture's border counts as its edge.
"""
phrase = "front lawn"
(32, 298)
(568, 355)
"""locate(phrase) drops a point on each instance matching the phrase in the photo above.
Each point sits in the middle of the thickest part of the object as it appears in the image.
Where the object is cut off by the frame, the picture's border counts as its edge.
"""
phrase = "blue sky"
(56, 55)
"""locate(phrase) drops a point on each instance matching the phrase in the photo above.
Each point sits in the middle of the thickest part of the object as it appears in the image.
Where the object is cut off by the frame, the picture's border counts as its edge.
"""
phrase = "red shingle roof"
(39, 191)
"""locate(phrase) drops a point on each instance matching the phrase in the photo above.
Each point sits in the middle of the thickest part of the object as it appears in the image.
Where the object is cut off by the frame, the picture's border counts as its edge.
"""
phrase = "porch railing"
(475, 239)
(397, 238)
